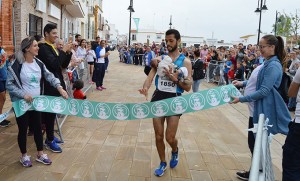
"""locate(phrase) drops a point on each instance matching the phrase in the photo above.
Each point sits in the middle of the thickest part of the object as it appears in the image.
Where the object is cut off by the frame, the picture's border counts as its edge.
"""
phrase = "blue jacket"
(98, 50)
(266, 98)
(151, 55)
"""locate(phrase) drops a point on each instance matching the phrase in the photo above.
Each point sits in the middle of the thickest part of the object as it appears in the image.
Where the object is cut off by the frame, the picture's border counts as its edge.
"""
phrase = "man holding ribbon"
(167, 86)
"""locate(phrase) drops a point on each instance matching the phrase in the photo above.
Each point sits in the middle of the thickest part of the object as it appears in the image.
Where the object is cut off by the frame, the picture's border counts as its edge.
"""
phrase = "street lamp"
(277, 20)
(260, 8)
(170, 22)
(131, 10)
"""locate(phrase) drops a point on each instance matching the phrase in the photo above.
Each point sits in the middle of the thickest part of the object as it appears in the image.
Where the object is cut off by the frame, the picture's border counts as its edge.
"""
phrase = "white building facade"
(84, 17)
(150, 36)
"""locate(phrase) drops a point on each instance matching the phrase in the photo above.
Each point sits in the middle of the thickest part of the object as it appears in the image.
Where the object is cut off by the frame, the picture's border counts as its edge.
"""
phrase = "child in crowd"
(231, 74)
(77, 86)
(227, 67)
(239, 73)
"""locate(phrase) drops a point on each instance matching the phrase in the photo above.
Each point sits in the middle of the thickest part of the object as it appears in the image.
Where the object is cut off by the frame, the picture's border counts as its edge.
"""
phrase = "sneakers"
(243, 175)
(57, 141)
(102, 87)
(53, 146)
(43, 159)
(161, 169)
(99, 88)
(25, 161)
(174, 159)
(4, 123)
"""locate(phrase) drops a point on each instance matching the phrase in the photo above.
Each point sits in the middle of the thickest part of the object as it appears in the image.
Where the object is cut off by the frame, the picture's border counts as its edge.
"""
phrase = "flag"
(136, 21)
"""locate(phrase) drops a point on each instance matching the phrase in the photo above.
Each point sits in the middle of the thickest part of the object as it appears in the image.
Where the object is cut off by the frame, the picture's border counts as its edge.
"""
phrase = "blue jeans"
(196, 84)
(291, 154)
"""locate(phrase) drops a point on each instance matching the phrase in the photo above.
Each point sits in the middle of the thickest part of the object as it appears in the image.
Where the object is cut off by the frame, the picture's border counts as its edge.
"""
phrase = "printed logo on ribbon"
(24, 106)
(235, 92)
(40, 103)
(140, 111)
(120, 111)
(197, 101)
(159, 108)
(225, 94)
(58, 105)
(73, 107)
(179, 105)
(102, 111)
(213, 97)
(87, 109)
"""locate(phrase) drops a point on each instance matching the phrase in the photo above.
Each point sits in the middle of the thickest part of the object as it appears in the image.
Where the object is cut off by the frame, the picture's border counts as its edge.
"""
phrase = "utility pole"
(170, 22)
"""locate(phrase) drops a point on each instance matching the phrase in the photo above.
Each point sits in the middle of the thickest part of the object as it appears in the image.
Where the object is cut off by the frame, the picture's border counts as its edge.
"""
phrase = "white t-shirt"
(31, 75)
(90, 56)
(251, 87)
(81, 53)
(102, 53)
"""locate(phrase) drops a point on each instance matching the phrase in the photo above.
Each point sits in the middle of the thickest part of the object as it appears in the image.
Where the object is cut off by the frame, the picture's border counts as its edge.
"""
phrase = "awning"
(76, 10)
(66, 2)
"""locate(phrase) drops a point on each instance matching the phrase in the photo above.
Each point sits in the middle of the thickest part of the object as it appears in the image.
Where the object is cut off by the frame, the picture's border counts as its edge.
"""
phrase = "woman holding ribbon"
(25, 79)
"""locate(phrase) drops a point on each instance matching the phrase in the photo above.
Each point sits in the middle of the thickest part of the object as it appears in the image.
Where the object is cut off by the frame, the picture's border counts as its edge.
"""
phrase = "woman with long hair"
(264, 93)
(25, 78)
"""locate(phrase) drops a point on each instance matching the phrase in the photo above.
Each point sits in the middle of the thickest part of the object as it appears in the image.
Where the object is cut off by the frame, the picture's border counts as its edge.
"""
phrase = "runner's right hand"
(144, 91)
(154, 62)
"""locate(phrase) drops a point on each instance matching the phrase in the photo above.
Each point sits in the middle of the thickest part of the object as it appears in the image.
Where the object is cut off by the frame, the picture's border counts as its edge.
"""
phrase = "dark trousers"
(106, 64)
(136, 60)
(99, 73)
(140, 59)
(49, 119)
(251, 138)
(22, 121)
(291, 154)
(226, 78)
(147, 70)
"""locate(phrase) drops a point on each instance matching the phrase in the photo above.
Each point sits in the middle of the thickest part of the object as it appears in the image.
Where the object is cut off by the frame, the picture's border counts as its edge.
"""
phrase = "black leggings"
(49, 119)
(22, 121)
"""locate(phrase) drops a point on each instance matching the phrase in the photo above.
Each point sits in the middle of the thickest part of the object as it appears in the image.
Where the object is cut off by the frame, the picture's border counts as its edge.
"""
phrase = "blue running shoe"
(174, 159)
(161, 169)
(53, 146)
(58, 141)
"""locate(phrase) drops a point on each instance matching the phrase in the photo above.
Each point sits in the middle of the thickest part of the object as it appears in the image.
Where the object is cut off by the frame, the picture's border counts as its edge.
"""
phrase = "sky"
(221, 19)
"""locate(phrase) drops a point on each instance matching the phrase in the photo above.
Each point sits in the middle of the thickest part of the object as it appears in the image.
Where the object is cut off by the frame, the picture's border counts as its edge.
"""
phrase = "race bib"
(166, 85)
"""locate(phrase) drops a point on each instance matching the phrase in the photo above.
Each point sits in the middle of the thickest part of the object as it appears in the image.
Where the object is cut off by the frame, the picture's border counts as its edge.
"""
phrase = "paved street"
(212, 143)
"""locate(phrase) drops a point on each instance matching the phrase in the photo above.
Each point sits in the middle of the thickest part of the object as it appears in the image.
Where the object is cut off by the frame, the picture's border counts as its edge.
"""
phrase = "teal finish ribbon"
(129, 111)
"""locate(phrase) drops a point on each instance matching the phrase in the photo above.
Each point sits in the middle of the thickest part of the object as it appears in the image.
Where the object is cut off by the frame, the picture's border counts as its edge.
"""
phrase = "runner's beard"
(173, 48)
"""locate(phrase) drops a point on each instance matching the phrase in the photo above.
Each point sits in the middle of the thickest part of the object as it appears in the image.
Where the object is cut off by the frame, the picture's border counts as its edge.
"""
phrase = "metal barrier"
(211, 73)
(262, 168)
(85, 77)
